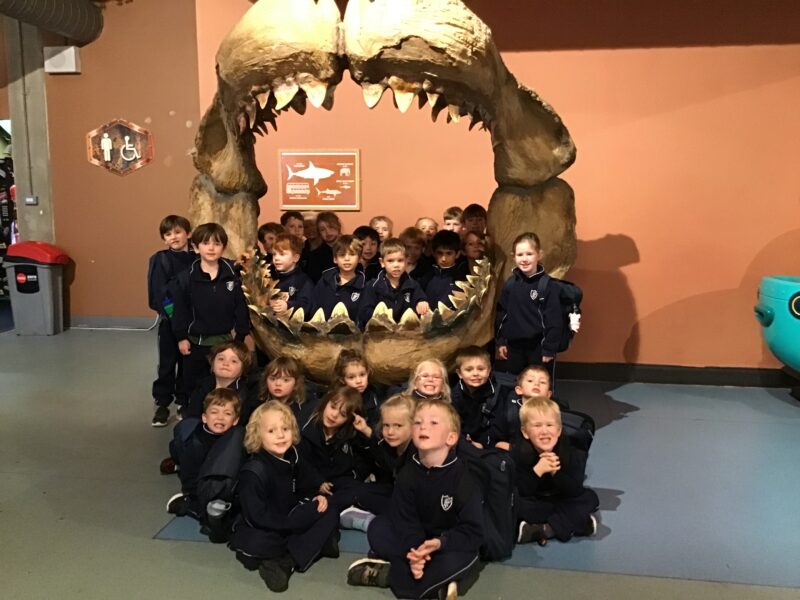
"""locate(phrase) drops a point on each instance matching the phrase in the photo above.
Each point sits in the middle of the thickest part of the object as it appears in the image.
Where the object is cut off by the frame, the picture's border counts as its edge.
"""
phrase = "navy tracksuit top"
(299, 287)
(523, 316)
(442, 283)
(329, 292)
(406, 295)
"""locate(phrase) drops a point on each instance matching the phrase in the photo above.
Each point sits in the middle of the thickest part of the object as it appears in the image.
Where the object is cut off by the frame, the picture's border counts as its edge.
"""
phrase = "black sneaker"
(369, 571)
(275, 574)
(531, 532)
(161, 416)
(177, 504)
(250, 563)
(331, 547)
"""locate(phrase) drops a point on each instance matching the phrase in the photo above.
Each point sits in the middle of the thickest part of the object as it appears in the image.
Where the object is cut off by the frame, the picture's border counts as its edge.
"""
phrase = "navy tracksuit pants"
(566, 516)
(169, 383)
(445, 565)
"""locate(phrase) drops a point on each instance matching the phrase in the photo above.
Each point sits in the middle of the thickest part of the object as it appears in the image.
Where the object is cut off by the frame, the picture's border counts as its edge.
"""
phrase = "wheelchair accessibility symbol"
(120, 147)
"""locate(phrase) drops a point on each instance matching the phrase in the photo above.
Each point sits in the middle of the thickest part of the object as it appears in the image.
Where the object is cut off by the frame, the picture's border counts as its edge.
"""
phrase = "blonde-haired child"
(286, 523)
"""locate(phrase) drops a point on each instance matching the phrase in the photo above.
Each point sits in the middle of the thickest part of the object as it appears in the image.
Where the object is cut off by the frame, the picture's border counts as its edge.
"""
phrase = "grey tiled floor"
(81, 497)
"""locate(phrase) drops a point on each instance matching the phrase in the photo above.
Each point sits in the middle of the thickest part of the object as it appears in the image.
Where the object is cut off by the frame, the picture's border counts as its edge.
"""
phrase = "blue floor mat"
(694, 483)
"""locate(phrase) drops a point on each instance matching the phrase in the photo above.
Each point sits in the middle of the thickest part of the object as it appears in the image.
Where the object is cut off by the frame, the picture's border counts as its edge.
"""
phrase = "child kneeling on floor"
(285, 523)
(430, 537)
(550, 471)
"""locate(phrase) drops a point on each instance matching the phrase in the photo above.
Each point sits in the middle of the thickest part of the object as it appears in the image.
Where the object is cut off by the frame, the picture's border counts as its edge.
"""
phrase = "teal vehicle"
(778, 311)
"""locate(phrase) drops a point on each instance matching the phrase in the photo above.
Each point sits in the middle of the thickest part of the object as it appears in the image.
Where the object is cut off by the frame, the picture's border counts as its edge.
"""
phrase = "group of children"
(275, 465)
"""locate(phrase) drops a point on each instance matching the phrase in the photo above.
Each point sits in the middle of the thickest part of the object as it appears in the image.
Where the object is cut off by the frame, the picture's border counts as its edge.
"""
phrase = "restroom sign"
(120, 147)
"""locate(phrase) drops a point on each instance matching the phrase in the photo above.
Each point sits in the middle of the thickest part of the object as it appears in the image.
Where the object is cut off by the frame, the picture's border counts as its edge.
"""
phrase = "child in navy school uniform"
(266, 237)
(393, 286)
(383, 225)
(448, 269)
(351, 370)
(230, 363)
(335, 448)
(321, 259)
(220, 413)
(284, 382)
(285, 522)
(292, 222)
(297, 290)
(343, 283)
(209, 303)
(550, 471)
(429, 381)
(429, 540)
(418, 266)
(370, 257)
(389, 453)
(527, 328)
(482, 422)
(164, 266)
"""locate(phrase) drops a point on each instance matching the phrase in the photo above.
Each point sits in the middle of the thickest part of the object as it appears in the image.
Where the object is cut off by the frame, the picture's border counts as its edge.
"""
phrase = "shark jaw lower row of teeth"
(258, 288)
(264, 102)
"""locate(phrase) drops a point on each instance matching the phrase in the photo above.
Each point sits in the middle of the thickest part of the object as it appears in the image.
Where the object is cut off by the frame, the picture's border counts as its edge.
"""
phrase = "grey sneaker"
(355, 518)
(161, 416)
(369, 571)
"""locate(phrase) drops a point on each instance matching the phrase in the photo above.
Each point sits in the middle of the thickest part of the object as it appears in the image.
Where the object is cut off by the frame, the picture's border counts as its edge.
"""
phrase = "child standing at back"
(321, 259)
(295, 286)
(209, 303)
(527, 327)
(448, 269)
(164, 266)
(383, 225)
(393, 286)
(453, 219)
(344, 283)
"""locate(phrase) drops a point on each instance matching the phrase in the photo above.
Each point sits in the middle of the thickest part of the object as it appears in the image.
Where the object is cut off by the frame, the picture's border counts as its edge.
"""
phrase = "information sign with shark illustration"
(320, 180)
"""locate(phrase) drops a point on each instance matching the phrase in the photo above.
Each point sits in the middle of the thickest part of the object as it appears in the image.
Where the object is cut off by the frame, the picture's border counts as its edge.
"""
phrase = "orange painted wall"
(686, 181)
(143, 68)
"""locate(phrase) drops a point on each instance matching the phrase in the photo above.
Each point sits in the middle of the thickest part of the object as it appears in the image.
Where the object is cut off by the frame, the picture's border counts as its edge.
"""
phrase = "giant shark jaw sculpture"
(284, 54)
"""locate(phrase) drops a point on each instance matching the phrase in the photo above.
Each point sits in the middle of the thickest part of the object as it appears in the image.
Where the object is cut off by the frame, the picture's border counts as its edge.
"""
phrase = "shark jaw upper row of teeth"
(258, 285)
(265, 102)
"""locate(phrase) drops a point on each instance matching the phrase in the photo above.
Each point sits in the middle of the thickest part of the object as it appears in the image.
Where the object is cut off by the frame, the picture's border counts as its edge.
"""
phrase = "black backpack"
(577, 426)
(493, 472)
(570, 297)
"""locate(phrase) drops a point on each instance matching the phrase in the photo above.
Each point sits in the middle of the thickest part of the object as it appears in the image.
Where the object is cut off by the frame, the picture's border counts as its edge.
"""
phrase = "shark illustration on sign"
(331, 193)
(312, 172)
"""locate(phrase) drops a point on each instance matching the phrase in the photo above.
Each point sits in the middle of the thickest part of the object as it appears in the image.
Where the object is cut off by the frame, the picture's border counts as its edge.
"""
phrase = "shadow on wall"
(712, 314)
(608, 306)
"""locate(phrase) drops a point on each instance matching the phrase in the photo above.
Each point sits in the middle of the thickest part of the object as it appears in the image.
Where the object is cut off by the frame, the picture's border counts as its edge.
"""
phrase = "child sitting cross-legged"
(343, 283)
(552, 499)
(284, 381)
(352, 370)
(285, 521)
(389, 452)
(429, 539)
(220, 413)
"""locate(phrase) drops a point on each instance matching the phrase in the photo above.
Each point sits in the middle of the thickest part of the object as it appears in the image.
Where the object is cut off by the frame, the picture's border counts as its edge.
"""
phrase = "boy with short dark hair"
(343, 283)
(453, 219)
(475, 218)
(209, 303)
(266, 237)
(295, 286)
(220, 412)
(473, 396)
(370, 257)
(550, 473)
(292, 221)
(163, 267)
(430, 538)
(448, 269)
(393, 286)
(321, 259)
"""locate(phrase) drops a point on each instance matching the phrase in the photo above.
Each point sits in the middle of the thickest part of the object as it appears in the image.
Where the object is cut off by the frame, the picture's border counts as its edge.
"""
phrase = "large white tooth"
(433, 98)
(263, 98)
(250, 111)
(372, 93)
(315, 91)
(284, 94)
(403, 99)
(454, 112)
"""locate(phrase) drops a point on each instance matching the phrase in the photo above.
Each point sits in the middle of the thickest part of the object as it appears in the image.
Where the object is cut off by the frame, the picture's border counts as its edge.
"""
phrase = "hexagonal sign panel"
(120, 147)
